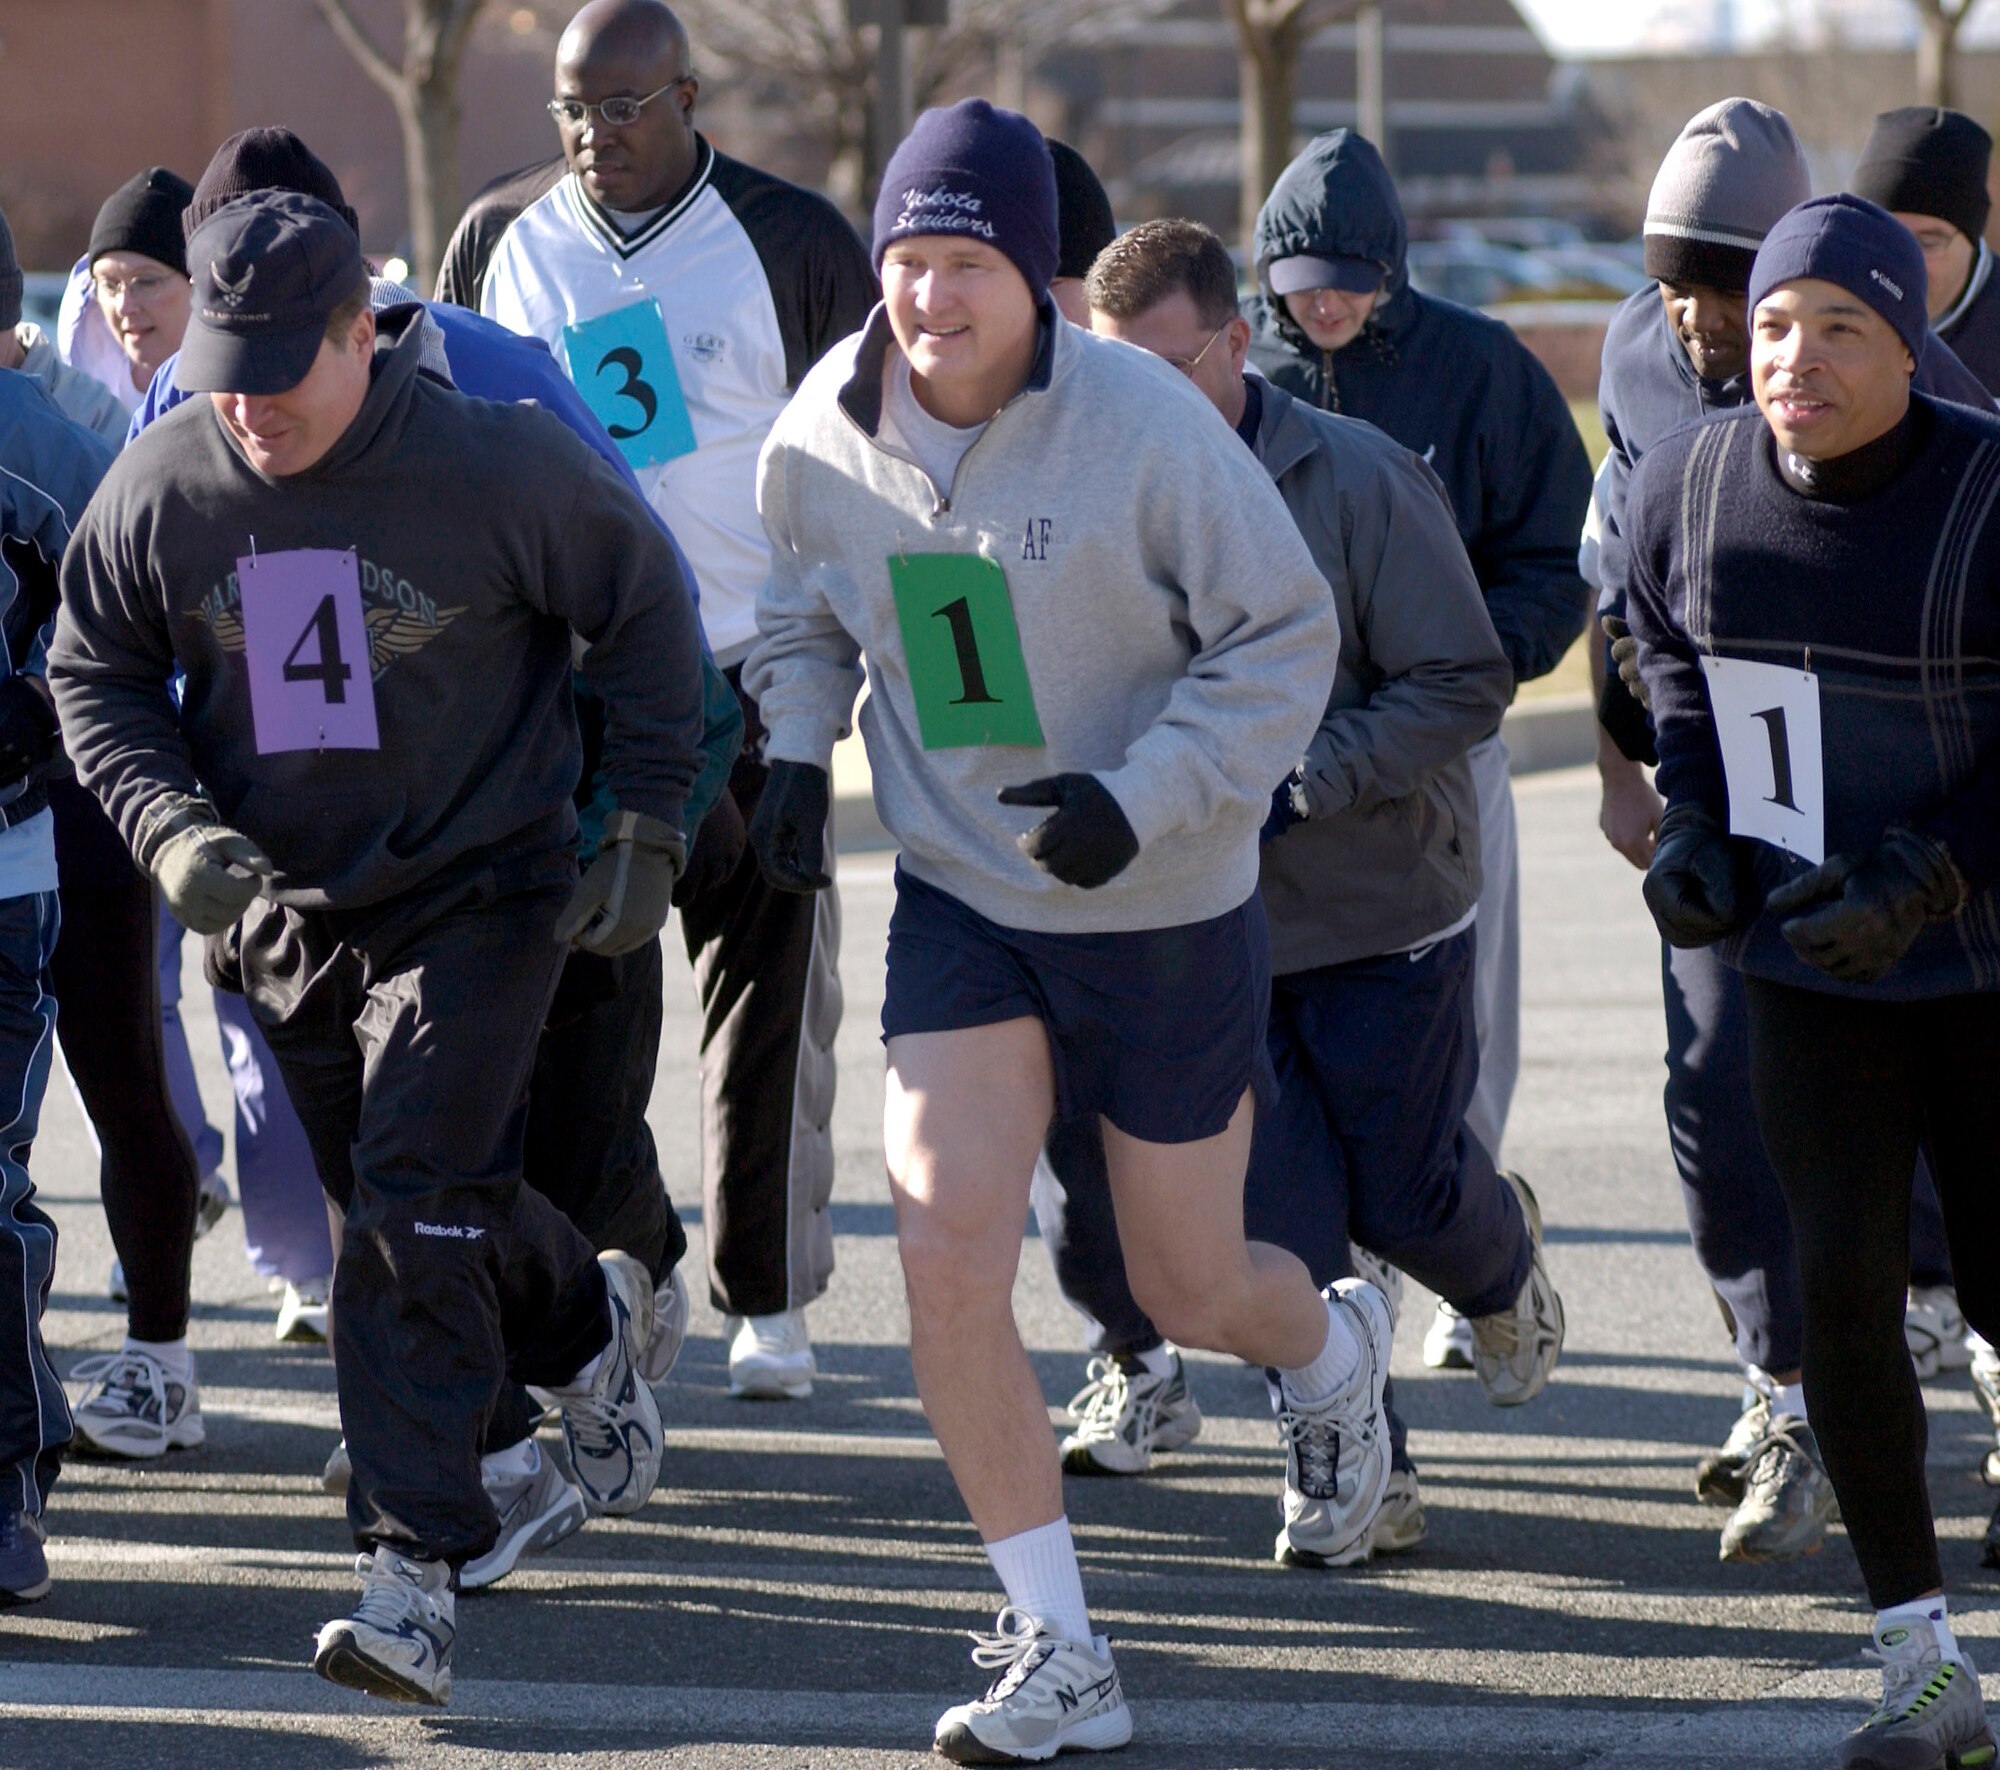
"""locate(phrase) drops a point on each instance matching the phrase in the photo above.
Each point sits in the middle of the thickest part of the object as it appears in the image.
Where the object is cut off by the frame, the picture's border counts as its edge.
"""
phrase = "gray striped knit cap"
(1731, 173)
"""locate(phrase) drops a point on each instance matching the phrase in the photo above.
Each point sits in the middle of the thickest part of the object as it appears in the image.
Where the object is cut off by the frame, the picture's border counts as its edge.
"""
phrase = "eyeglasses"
(618, 113)
(144, 288)
(1188, 364)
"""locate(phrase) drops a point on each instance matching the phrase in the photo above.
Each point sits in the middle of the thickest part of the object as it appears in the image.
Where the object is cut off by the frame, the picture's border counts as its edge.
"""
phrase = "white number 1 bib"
(1767, 721)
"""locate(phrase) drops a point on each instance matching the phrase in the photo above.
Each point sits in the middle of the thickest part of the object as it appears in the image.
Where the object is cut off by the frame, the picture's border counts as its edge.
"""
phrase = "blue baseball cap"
(269, 270)
(1352, 276)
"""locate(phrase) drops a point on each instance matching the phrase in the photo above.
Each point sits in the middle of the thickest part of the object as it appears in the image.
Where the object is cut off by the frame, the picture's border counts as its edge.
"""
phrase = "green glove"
(621, 903)
(208, 873)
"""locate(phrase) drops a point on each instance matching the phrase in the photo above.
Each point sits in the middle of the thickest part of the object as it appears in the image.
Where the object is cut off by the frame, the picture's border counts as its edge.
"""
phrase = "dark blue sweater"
(1454, 387)
(1893, 600)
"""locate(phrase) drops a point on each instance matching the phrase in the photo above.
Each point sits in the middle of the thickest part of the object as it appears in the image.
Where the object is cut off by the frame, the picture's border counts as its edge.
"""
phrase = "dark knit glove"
(788, 828)
(719, 841)
(1868, 910)
(1086, 840)
(1699, 886)
(621, 902)
(208, 873)
(27, 728)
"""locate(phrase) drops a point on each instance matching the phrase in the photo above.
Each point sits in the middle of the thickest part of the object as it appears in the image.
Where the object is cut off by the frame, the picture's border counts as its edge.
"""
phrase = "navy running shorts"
(1159, 1030)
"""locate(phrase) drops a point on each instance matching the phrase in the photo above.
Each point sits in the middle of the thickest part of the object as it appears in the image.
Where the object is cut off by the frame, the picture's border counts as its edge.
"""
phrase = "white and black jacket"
(755, 278)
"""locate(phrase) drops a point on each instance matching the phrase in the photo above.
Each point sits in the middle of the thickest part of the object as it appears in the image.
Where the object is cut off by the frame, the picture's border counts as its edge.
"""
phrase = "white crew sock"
(1159, 1360)
(1930, 1610)
(173, 1354)
(1788, 1398)
(1038, 1568)
(517, 1459)
(1328, 1372)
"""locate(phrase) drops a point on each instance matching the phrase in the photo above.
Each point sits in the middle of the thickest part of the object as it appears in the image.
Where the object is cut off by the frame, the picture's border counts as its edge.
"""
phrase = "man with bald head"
(688, 294)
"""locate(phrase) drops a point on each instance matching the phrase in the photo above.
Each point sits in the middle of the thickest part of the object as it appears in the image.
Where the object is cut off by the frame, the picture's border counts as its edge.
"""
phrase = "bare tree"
(1271, 36)
(424, 89)
(1938, 25)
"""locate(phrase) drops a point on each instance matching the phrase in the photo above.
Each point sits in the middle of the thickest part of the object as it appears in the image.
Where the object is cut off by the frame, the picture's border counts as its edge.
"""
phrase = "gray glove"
(208, 873)
(621, 902)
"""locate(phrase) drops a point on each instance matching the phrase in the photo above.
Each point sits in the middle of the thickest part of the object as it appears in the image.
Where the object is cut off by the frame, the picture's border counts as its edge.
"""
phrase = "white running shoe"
(1400, 1525)
(1986, 1382)
(1448, 1341)
(1384, 1277)
(1514, 1350)
(1050, 1696)
(770, 1358)
(135, 1407)
(1721, 1478)
(670, 1324)
(611, 1424)
(1934, 1327)
(302, 1314)
(397, 1644)
(1125, 1413)
(338, 1473)
(1337, 1450)
(537, 1510)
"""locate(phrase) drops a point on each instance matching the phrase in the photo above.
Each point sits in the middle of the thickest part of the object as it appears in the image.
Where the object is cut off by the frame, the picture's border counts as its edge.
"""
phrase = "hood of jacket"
(1336, 200)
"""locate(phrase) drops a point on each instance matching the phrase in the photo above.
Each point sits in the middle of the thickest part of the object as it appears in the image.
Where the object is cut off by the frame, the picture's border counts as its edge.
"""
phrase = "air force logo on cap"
(270, 269)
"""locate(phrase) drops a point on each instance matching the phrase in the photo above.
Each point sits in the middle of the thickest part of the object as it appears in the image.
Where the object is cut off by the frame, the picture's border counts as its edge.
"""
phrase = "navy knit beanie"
(974, 169)
(1849, 242)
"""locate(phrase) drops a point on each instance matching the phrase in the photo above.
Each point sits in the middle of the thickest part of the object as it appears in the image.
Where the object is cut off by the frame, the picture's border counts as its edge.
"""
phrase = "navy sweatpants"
(1376, 1062)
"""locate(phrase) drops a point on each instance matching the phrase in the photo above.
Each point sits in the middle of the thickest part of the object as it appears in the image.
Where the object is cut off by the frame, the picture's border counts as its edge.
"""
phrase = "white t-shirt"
(935, 446)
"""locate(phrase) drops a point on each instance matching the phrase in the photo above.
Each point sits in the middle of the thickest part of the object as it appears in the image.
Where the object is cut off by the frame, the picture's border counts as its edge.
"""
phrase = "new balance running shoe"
(397, 1644)
(611, 1424)
(24, 1564)
(1125, 1413)
(1448, 1341)
(1720, 1477)
(1934, 1327)
(1787, 1499)
(1930, 1716)
(537, 1510)
(771, 1357)
(1048, 1695)
(1514, 1350)
(1337, 1450)
(133, 1406)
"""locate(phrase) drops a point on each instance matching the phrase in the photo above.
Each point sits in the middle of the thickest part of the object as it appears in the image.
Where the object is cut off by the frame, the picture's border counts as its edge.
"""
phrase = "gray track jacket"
(1390, 855)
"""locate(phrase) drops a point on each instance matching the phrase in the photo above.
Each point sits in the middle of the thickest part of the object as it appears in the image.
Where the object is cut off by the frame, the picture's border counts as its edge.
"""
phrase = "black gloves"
(788, 828)
(621, 902)
(27, 728)
(208, 873)
(1289, 806)
(719, 841)
(1700, 886)
(1622, 705)
(1086, 840)
(1869, 910)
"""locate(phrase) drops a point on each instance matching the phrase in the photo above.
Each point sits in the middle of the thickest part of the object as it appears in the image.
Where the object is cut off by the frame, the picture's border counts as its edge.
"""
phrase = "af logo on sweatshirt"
(1035, 542)
(401, 618)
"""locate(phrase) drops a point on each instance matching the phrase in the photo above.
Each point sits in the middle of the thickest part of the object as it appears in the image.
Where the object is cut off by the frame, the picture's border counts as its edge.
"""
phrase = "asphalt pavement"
(797, 1590)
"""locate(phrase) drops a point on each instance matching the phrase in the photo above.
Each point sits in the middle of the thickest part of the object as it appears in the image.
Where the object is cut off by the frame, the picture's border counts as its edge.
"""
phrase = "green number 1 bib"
(963, 651)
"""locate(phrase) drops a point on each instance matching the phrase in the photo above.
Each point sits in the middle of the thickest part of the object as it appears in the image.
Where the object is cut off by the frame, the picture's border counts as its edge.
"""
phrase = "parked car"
(1593, 272)
(1476, 273)
(41, 297)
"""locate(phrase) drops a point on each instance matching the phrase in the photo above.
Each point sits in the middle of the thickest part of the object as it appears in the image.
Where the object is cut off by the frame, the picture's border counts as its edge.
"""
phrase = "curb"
(1558, 731)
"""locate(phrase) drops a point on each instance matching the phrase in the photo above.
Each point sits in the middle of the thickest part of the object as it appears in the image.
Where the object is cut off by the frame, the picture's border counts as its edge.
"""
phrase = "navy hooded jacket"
(1449, 384)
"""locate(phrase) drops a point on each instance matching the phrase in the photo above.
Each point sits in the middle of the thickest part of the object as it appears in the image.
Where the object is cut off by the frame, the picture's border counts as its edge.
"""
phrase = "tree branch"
(373, 62)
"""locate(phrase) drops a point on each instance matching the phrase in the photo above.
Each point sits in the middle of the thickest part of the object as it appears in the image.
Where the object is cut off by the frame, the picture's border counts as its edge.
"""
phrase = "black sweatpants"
(766, 964)
(406, 1033)
(107, 980)
(1848, 1090)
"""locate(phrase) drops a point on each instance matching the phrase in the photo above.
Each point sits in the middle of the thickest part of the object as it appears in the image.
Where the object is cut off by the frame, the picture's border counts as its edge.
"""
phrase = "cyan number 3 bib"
(623, 366)
(307, 641)
(963, 651)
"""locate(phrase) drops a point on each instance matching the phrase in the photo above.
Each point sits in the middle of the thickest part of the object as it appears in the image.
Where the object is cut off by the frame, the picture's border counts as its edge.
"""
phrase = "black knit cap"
(144, 215)
(265, 160)
(1084, 225)
(1921, 160)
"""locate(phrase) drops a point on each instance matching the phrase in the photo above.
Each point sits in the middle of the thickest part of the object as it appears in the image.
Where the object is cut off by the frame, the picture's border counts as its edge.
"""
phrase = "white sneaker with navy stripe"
(611, 1424)
(1337, 1449)
(135, 1406)
(1049, 1696)
(398, 1642)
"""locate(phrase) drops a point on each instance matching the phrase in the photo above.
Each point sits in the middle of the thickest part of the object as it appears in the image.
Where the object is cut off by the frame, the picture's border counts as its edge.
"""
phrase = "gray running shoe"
(1125, 1413)
(537, 1511)
(1787, 1498)
(611, 1425)
(1930, 1716)
(1337, 1450)
(1048, 1696)
(670, 1323)
(1400, 1525)
(1719, 1479)
(1514, 1350)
